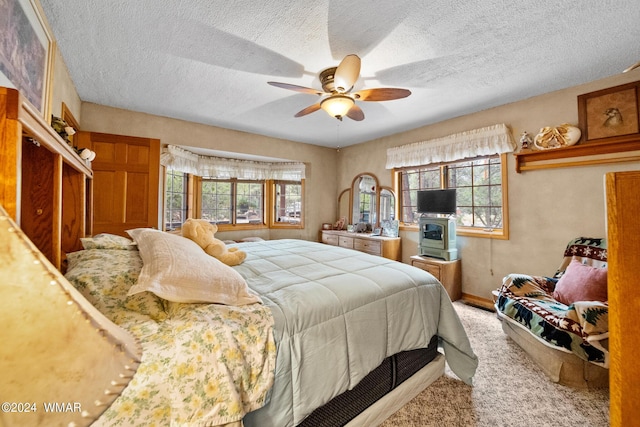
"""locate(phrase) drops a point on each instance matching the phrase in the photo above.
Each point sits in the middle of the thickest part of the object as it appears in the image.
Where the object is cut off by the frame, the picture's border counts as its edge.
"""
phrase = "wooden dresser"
(388, 247)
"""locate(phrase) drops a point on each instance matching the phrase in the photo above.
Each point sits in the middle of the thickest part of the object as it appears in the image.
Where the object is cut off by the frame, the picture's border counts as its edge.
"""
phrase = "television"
(437, 233)
(437, 201)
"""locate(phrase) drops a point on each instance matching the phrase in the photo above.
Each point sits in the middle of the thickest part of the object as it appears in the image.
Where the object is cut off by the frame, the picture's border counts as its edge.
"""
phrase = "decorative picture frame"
(610, 115)
(26, 58)
(390, 228)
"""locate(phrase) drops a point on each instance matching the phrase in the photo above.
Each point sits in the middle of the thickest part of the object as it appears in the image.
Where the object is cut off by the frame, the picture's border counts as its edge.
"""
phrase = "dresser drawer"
(345, 242)
(431, 268)
(388, 247)
(330, 239)
(368, 246)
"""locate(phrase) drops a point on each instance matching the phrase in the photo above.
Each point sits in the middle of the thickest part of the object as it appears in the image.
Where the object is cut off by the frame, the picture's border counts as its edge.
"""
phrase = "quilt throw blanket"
(202, 364)
(581, 328)
(338, 314)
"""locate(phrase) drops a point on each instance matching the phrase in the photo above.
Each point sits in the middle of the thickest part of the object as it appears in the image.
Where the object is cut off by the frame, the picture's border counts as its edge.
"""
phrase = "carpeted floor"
(509, 389)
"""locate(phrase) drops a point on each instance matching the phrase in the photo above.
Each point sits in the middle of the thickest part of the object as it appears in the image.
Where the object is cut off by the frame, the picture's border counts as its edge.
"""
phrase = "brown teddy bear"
(202, 232)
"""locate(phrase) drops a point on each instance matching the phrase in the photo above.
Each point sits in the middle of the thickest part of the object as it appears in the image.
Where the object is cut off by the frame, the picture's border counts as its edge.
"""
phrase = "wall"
(547, 208)
(63, 89)
(320, 183)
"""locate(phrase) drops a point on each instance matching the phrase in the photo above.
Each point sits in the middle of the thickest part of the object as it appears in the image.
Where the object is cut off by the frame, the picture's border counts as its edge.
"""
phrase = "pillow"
(108, 241)
(104, 277)
(177, 269)
(581, 282)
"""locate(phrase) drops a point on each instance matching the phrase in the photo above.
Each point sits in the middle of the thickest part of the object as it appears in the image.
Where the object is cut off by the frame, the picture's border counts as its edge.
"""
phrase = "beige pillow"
(177, 269)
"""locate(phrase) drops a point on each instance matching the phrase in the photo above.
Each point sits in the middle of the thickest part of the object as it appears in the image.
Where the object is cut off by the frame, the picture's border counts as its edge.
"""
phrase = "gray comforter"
(338, 314)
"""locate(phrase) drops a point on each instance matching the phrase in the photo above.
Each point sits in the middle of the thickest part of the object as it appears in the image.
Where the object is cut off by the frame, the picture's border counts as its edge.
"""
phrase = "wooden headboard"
(44, 185)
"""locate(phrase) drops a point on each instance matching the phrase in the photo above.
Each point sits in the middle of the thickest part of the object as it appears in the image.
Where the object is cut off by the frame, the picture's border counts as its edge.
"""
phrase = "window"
(287, 203)
(232, 201)
(480, 185)
(176, 204)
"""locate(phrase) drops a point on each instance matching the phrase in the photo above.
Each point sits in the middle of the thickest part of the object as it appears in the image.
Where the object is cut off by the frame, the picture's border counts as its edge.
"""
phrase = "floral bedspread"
(581, 328)
(202, 364)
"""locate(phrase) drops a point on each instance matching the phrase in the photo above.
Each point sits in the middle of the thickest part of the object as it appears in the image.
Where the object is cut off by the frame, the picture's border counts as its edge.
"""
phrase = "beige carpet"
(508, 390)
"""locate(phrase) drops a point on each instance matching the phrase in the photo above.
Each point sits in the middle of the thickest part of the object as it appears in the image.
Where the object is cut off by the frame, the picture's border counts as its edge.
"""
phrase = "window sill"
(236, 227)
(485, 233)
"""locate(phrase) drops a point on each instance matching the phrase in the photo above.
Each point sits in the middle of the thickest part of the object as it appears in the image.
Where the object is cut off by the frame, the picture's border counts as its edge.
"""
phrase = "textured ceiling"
(209, 61)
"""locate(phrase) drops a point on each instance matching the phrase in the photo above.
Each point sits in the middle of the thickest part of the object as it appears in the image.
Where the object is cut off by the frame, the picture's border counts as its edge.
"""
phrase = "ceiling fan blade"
(347, 73)
(381, 94)
(310, 109)
(297, 88)
(355, 113)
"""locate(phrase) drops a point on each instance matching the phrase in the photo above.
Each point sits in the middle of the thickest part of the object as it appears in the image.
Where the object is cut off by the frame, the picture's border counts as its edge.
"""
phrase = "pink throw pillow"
(581, 282)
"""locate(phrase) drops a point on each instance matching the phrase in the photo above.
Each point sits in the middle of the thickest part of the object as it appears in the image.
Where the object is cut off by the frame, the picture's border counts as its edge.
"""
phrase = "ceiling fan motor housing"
(327, 79)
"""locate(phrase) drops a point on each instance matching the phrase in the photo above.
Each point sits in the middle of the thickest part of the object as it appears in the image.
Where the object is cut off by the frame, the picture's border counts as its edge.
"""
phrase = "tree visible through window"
(232, 201)
(175, 199)
(288, 202)
(479, 191)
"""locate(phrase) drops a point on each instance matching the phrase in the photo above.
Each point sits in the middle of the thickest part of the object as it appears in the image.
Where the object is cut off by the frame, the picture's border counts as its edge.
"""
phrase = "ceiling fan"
(337, 83)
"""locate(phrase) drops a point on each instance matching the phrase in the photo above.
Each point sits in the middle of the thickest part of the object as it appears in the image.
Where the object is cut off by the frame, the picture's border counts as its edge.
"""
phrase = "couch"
(561, 321)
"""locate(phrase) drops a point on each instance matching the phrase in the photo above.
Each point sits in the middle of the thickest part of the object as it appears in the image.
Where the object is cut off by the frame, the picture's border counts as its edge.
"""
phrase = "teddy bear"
(202, 232)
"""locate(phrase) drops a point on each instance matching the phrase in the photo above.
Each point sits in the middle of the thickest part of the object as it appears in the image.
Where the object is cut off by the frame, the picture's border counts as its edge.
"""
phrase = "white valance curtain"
(177, 158)
(485, 141)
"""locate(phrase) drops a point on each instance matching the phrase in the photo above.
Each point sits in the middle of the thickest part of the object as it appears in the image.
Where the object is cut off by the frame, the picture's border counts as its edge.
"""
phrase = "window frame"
(233, 225)
(194, 202)
(187, 194)
(273, 223)
(492, 233)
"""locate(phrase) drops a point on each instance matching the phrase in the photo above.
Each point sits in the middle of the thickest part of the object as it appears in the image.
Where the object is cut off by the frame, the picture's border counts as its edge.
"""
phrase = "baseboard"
(476, 301)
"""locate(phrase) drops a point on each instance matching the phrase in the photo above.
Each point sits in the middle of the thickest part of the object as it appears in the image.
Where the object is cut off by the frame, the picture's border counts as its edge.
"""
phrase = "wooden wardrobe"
(623, 240)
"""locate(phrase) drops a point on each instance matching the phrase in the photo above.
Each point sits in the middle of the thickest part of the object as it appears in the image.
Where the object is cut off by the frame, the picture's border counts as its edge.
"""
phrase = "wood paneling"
(623, 237)
(126, 181)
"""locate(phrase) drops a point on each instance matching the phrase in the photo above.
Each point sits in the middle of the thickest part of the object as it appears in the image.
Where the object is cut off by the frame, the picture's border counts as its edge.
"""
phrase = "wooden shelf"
(44, 184)
(579, 155)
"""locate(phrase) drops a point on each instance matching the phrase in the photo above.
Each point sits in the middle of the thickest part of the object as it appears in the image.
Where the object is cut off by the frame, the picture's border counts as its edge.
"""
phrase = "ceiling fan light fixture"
(337, 105)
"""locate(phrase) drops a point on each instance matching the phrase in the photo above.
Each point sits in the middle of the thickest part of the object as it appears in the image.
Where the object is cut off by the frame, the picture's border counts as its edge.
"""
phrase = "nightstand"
(449, 273)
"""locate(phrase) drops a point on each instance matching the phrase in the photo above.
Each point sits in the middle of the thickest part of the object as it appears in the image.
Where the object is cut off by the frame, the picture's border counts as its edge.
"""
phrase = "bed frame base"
(390, 403)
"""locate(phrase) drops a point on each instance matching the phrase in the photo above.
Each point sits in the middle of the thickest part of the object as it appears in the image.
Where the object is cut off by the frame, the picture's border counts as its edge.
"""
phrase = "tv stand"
(449, 273)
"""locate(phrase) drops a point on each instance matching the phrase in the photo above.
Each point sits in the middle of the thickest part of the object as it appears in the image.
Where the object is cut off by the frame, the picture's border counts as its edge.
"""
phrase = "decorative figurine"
(525, 139)
(561, 136)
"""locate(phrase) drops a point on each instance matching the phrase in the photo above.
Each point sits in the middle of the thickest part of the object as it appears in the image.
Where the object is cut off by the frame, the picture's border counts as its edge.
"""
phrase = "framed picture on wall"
(26, 52)
(610, 114)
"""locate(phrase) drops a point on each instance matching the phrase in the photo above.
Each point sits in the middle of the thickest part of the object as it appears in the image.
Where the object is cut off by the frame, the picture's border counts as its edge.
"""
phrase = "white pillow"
(177, 269)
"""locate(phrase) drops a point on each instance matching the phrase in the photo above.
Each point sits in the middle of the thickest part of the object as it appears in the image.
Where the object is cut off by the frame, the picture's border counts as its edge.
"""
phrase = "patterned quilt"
(581, 328)
(202, 364)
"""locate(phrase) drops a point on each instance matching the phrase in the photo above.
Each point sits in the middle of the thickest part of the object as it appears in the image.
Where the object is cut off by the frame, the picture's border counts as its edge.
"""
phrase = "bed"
(315, 324)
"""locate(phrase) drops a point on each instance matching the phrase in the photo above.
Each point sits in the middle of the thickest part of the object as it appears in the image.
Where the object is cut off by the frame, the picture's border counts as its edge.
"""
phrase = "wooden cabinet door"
(623, 241)
(125, 181)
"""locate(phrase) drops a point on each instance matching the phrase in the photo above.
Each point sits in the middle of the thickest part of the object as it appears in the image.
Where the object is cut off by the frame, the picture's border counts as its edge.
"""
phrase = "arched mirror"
(387, 204)
(365, 199)
(344, 200)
